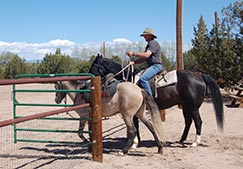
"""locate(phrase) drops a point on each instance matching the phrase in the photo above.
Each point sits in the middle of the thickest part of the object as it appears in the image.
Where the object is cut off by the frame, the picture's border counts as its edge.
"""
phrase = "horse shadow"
(110, 146)
(113, 145)
(75, 151)
(116, 145)
(60, 151)
(178, 144)
(50, 153)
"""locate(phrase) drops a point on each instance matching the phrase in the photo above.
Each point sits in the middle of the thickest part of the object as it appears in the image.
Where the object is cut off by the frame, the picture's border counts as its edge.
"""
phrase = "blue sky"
(80, 21)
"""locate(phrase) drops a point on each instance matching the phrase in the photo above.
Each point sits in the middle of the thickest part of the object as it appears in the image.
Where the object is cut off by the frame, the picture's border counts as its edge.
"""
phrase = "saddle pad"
(167, 79)
(110, 90)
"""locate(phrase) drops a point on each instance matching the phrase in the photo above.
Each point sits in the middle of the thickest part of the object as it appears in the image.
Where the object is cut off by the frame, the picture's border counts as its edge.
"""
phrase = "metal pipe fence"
(95, 91)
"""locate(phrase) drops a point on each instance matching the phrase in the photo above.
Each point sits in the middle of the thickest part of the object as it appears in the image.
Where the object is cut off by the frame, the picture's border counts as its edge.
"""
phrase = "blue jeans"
(147, 75)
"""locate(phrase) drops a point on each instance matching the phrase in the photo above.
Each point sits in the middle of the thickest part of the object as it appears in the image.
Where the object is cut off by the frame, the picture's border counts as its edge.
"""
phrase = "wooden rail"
(40, 115)
(238, 97)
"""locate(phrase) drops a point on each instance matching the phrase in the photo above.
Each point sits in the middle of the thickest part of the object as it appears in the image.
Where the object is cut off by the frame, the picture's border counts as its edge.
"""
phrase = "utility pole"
(179, 56)
(103, 51)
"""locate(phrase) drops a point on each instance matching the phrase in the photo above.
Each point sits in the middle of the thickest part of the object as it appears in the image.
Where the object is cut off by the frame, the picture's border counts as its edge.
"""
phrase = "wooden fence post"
(96, 116)
(162, 114)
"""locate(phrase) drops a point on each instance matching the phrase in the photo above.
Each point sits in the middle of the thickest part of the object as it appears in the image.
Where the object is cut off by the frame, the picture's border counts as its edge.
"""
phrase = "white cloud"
(122, 40)
(59, 42)
(36, 51)
(31, 51)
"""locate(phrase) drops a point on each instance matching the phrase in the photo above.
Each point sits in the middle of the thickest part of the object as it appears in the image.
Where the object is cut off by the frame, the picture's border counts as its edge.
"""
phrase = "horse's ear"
(81, 83)
(100, 56)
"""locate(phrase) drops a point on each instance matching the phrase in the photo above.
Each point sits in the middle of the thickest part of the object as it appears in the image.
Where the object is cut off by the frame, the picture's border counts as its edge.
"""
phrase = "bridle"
(60, 87)
(102, 71)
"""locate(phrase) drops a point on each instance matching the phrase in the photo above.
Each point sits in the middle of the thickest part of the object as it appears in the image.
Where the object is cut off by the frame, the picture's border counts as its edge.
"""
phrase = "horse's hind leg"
(198, 125)
(137, 139)
(131, 133)
(149, 125)
(188, 122)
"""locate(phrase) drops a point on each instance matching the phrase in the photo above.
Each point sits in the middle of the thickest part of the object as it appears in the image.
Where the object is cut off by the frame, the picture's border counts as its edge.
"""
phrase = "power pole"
(103, 51)
(179, 56)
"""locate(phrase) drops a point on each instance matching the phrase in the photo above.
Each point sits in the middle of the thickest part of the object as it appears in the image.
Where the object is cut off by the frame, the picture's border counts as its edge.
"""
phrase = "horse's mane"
(75, 83)
(102, 66)
(112, 65)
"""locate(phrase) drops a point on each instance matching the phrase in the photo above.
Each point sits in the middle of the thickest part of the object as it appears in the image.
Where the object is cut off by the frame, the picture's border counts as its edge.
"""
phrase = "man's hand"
(130, 53)
(131, 63)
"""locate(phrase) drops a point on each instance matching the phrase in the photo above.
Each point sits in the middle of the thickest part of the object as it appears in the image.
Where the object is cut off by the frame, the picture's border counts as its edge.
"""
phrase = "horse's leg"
(188, 122)
(198, 125)
(90, 136)
(83, 113)
(149, 125)
(80, 130)
(137, 139)
(131, 133)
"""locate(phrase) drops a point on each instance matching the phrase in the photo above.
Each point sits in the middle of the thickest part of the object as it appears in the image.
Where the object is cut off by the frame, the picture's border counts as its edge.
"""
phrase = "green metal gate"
(16, 104)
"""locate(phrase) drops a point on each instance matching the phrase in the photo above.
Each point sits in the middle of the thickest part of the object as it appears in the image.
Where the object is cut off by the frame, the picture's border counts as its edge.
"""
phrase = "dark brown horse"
(189, 92)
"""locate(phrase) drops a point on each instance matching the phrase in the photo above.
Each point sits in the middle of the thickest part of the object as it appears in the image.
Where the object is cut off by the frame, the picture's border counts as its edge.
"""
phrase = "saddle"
(161, 79)
(165, 78)
(110, 85)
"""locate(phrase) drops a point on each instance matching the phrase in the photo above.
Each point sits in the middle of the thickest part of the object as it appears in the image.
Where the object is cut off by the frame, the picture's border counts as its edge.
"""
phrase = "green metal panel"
(16, 103)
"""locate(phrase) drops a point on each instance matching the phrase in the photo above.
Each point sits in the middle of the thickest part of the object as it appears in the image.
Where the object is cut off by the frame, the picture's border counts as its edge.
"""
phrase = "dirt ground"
(217, 150)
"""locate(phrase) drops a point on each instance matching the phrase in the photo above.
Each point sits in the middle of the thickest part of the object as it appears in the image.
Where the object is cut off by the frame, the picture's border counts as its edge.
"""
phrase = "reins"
(65, 97)
(61, 87)
(122, 70)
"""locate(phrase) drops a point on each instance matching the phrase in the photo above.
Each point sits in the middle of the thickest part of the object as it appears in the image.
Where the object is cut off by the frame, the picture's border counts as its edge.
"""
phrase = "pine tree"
(15, 66)
(57, 63)
(200, 45)
(233, 18)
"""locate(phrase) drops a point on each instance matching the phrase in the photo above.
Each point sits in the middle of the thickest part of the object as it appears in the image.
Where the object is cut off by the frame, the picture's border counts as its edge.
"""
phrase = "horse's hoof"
(195, 144)
(120, 153)
(135, 143)
(165, 144)
(181, 141)
(160, 151)
(134, 146)
(125, 151)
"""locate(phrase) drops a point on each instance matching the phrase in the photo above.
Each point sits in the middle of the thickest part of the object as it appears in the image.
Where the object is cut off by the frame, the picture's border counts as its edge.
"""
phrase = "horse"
(129, 100)
(188, 92)
(77, 99)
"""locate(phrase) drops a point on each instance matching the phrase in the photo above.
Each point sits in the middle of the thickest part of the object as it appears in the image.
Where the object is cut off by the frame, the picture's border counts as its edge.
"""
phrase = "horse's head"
(103, 66)
(59, 95)
(69, 85)
(97, 68)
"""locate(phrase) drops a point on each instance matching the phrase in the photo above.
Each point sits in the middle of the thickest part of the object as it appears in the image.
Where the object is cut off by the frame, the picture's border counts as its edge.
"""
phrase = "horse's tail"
(155, 115)
(216, 98)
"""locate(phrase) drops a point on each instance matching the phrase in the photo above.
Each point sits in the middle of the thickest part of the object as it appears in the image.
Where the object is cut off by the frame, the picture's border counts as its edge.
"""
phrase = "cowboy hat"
(148, 31)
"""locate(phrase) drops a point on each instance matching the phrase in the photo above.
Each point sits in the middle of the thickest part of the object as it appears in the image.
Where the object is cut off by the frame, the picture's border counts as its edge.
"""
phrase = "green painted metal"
(50, 105)
(53, 91)
(51, 131)
(52, 141)
(14, 113)
(60, 118)
(54, 75)
(16, 103)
